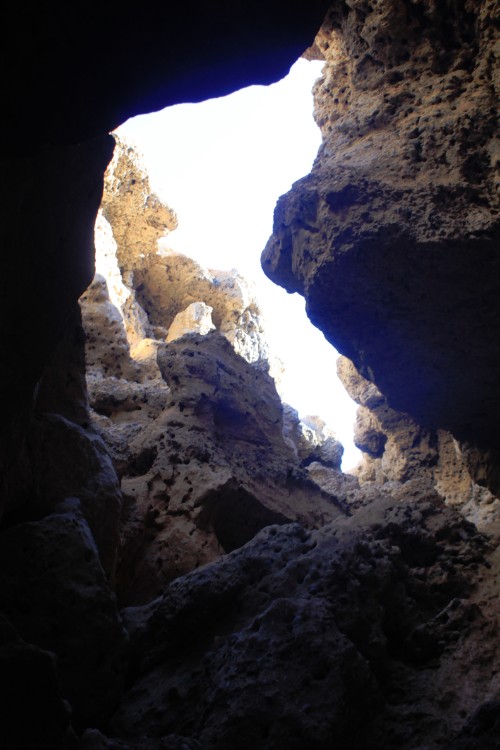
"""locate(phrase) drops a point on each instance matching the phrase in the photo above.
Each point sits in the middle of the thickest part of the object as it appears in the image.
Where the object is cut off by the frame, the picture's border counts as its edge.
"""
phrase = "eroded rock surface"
(397, 449)
(311, 439)
(308, 639)
(177, 372)
(393, 237)
(379, 597)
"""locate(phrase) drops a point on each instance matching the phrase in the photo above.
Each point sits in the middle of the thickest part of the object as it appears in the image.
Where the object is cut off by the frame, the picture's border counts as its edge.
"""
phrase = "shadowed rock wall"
(393, 238)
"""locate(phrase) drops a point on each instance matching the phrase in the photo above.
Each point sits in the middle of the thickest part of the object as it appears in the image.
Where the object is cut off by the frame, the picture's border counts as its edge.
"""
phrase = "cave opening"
(369, 621)
(222, 165)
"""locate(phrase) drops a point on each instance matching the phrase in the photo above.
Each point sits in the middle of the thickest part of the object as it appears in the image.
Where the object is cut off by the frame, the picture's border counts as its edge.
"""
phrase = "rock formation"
(351, 634)
(370, 622)
(396, 448)
(393, 237)
(177, 373)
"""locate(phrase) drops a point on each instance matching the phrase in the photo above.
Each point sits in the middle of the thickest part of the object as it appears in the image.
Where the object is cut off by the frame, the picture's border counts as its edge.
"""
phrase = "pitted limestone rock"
(196, 318)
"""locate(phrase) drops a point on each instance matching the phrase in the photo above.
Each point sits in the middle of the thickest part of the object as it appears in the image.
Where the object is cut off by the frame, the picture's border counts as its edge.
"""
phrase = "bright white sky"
(222, 165)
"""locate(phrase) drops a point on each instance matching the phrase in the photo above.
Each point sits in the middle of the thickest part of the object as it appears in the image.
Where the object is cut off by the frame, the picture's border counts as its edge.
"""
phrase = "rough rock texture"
(344, 637)
(138, 217)
(173, 282)
(353, 627)
(397, 449)
(79, 80)
(195, 430)
(151, 285)
(196, 318)
(381, 628)
(393, 238)
(211, 469)
(311, 439)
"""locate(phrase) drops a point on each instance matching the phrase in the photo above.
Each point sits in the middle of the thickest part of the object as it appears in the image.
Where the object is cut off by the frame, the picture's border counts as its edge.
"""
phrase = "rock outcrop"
(397, 449)
(67, 79)
(379, 592)
(79, 80)
(393, 237)
(177, 372)
(311, 439)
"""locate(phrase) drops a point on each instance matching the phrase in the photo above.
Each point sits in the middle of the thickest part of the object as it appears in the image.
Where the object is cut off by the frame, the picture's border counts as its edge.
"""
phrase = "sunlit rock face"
(196, 318)
(70, 86)
(393, 238)
(177, 373)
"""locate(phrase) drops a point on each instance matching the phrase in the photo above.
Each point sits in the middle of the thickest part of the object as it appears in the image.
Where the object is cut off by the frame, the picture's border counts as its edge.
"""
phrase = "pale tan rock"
(107, 347)
(174, 281)
(361, 390)
(345, 487)
(108, 351)
(205, 467)
(393, 237)
(368, 435)
(137, 216)
(196, 318)
(149, 286)
(118, 287)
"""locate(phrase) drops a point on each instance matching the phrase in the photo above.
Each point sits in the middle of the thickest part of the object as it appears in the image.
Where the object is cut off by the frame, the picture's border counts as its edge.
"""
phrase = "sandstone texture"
(311, 439)
(380, 596)
(138, 217)
(183, 565)
(393, 237)
(180, 393)
(196, 318)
